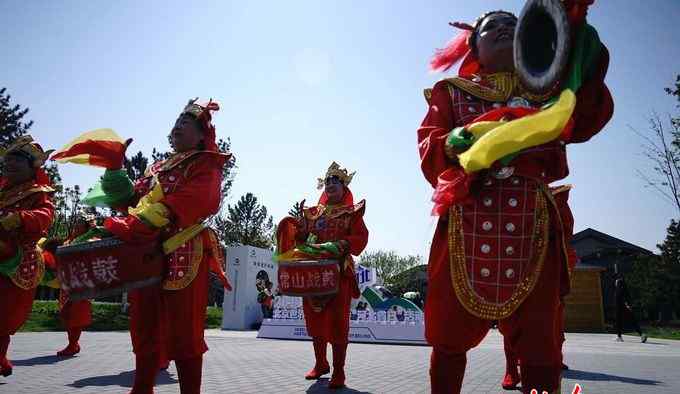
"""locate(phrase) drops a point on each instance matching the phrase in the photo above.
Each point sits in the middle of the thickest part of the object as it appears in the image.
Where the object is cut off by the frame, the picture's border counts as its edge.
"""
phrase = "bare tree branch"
(661, 148)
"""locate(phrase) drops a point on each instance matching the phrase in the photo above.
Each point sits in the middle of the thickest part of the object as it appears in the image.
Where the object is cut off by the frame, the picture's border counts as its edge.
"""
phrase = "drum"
(107, 267)
(542, 45)
(309, 278)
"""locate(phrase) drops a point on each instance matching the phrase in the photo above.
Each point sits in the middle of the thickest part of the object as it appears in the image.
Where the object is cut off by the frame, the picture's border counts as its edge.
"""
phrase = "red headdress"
(460, 48)
(455, 50)
(203, 112)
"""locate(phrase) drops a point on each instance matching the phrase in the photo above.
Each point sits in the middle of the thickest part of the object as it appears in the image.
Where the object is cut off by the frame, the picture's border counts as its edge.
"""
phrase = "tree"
(67, 205)
(670, 261)
(157, 155)
(388, 264)
(296, 210)
(228, 171)
(246, 223)
(675, 90)
(662, 148)
(12, 124)
(654, 281)
(136, 165)
(413, 279)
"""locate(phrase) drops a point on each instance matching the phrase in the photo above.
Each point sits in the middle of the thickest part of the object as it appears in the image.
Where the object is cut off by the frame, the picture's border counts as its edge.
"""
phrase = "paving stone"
(238, 362)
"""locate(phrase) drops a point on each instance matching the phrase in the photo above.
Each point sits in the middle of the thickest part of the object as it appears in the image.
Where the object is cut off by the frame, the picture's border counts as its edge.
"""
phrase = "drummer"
(75, 315)
(336, 223)
(169, 204)
(26, 213)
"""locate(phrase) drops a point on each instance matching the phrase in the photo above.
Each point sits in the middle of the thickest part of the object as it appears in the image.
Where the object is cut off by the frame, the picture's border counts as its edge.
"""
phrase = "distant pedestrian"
(623, 309)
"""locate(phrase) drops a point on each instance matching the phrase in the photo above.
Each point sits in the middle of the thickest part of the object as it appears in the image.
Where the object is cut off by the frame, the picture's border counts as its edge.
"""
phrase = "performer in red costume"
(499, 250)
(26, 213)
(75, 315)
(169, 205)
(336, 224)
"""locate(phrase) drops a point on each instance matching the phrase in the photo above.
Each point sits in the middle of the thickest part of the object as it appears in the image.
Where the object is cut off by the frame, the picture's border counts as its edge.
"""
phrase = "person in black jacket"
(623, 309)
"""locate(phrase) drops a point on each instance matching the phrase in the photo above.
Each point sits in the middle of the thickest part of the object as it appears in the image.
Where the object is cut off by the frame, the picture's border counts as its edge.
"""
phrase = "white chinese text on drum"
(309, 278)
(108, 267)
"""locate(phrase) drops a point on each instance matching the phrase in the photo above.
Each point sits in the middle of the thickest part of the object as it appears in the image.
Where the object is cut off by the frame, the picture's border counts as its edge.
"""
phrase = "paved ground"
(240, 363)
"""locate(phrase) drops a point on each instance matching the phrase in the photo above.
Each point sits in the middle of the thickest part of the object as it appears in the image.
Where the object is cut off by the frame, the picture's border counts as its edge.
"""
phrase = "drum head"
(542, 45)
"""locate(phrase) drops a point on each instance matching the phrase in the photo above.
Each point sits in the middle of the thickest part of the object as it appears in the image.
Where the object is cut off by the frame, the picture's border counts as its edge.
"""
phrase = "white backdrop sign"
(359, 331)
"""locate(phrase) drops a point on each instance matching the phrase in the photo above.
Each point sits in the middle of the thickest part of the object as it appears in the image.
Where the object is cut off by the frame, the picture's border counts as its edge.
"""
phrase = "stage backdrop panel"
(247, 268)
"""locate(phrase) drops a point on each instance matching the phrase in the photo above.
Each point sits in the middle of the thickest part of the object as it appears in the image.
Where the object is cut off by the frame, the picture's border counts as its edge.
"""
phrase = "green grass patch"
(660, 332)
(105, 317)
(213, 317)
(44, 317)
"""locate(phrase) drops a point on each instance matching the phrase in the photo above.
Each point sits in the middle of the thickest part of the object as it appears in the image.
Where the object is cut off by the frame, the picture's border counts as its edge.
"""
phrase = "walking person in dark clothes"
(623, 309)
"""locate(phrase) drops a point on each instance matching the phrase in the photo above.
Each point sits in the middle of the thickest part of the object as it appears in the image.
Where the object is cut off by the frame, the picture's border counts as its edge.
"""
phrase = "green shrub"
(105, 317)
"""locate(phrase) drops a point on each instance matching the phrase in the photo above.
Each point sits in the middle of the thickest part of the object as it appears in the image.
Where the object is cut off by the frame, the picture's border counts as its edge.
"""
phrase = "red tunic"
(171, 316)
(344, 222)
(501, 253)
(34, 204)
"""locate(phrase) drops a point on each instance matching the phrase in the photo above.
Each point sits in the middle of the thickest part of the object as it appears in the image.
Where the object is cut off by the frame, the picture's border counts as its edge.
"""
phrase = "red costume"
(26, 213)
(512, 376)
(75, 315)
(500, 247)
(172, 200)
(327, 320)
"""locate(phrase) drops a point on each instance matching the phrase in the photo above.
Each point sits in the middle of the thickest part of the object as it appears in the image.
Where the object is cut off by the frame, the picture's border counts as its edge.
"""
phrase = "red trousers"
(76, 314)
(452, 330)
(170, 322)
(15, 306)
(331, 325)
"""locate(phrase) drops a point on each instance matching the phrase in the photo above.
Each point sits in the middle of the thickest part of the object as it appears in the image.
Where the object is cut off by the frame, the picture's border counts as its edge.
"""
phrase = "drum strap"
(173, 243)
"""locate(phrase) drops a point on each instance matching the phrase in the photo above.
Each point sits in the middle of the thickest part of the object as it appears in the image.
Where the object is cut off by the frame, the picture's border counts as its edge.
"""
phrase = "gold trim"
(563, 243)
(501, 90)
(177, 159)
(19, 192)
(171, 162)
(37, 276)
(334, 211)
(27, 145)
(192, 271)
(459, 276)
(428, 95)
(215, 248)
(502, 87)
(334, 170)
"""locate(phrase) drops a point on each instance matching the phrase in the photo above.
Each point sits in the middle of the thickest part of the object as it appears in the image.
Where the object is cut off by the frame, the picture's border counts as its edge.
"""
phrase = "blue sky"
(303, 83)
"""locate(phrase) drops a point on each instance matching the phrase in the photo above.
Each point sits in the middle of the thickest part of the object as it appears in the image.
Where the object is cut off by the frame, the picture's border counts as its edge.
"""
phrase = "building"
(591, 301)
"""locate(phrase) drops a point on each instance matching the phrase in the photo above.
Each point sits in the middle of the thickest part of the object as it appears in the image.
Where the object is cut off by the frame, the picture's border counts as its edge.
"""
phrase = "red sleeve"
(594, 104)
(36, 221)
(199, 197)
(286, 234)
(358, 235)
(433, 132)
(50, 261)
